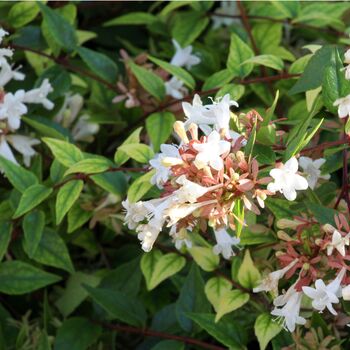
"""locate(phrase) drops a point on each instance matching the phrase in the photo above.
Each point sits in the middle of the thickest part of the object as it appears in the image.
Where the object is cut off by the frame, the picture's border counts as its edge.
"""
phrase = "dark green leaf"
(120, 306)
(18, 277)
(33, 226)
(77, 333)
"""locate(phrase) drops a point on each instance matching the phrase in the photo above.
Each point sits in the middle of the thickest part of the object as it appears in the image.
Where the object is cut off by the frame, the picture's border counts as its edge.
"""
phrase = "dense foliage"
(213, 133)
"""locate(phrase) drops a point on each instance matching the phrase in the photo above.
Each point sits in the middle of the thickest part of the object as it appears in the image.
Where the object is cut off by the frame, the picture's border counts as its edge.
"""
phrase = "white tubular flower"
(226, 8)
(224, 243)
(183, 57)
(13, 108)
(176, 212)
(190, 191)
(343, 106)
(134, 213)
(70, 110)
(209, 153)
(23, 145)
(6, 151)
(286, 180)
(338, 242)
(40, 94)
(147, 235)
(270, 282)
(198, 114)
(312, 170)
(222, 113)
(83, 130)
(324, 296)
(180, 238)
(6, 72)
(163, 172)
(175, 88)
(290, 309)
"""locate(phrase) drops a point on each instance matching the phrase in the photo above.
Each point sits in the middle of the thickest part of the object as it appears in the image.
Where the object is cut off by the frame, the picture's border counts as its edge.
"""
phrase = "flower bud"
(328, 228)
(171, 161)
(286, 223)
(179, 128)
(284, 236)
(193, 129)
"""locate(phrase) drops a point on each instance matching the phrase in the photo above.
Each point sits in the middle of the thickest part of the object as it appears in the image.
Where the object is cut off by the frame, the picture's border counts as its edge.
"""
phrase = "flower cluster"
(14, 105)
(206, 178)
(317, 256)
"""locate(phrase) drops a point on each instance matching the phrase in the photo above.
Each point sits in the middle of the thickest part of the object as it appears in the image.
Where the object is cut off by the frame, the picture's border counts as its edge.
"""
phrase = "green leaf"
(248, 274)
(132, 18)
(66, 197)
(18, 278)
(334, 83)
(121, 157)
(159, 127)
(188, 26)
(140, 186)
(239, 53)
(157, 267)
(61, 30)
(33, 227)
(251, 141)
(5, 237)
(74, 293)
(267, 36)
(225, 332)
(52, 251)
(266, 329)
(77, 333)
(19, 177)
(120, 306)
(99, 63)
(65, 152)
(169, 345)
(114, 182)
(138, 151)
(314, 71)
(126, 278)
(215, 288)
(322, 214)
(77, 217)
(22, 13)
(47, 127)
(270, 111)
(178, 72)
(218, 79)
(89, 166)
(266, 135)
(235, 91)
(150, 81)
(270, 61)
(191, 299)
(231, 300)
(32, 197)
(205, 258)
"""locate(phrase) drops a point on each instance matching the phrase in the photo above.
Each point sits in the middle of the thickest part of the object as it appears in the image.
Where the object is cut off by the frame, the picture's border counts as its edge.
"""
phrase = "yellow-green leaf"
(248, 275)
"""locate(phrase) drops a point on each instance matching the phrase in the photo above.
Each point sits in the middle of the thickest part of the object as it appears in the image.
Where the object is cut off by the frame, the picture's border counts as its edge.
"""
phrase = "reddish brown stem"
(152, 333)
